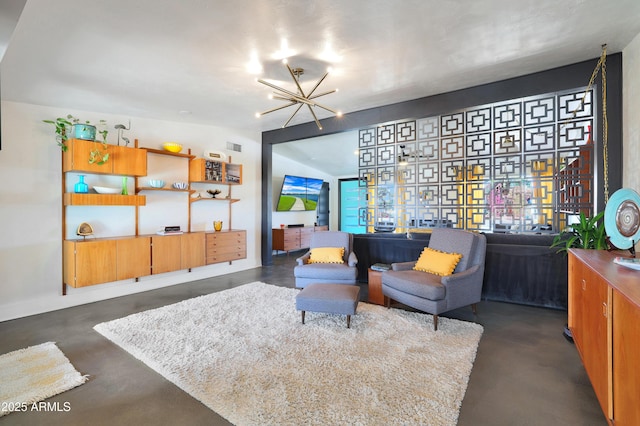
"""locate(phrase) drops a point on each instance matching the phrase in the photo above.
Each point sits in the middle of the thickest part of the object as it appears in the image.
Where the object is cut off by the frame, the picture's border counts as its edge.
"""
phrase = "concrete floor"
(525, 372)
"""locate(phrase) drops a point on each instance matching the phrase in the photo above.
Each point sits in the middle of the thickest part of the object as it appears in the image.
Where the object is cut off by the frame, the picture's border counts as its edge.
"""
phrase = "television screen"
(299, 194)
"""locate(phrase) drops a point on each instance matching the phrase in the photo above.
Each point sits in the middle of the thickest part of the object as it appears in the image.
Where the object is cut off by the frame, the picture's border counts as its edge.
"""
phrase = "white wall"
(31, 207)
(631, 116)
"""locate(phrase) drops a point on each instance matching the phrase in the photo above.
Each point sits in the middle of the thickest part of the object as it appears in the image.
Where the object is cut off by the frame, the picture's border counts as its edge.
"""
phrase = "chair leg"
(387, 302)
(435, 323)
(348, 321)
(474, 308)
(303, 317)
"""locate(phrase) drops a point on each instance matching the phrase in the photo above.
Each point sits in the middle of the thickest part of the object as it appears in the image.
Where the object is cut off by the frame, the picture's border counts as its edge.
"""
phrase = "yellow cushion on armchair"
(437, 262)
(327, 255)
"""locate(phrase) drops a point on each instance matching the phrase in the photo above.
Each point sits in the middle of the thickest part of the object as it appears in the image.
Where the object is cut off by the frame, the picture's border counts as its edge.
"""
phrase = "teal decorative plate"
(622, 218)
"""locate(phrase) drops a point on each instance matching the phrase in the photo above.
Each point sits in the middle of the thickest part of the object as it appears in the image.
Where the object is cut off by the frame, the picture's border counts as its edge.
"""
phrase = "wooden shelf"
(230, 200)
(150, 188)
(172, 154)
(73, 199)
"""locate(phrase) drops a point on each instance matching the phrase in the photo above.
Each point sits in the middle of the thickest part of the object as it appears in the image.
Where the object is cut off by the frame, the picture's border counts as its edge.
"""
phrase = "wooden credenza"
(102, 260)
(604, 318)
(291, 239)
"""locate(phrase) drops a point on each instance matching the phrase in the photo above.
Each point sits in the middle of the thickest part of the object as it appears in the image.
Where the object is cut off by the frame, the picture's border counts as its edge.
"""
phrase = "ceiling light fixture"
(300, 98)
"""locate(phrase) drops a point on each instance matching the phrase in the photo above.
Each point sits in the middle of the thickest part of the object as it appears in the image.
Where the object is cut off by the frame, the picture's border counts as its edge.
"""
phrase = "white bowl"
(180, 185)
(156, 183)
(107, 190)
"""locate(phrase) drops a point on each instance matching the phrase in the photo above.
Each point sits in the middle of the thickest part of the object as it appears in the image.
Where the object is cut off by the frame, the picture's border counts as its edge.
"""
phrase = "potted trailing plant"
(86, 131)
(588, 233)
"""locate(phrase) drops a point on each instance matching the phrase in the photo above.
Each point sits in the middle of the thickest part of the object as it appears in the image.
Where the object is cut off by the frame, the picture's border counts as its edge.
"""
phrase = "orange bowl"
(172, 147)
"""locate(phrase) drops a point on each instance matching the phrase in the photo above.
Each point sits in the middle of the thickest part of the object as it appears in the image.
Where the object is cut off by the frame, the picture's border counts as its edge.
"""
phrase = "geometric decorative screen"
(523, 165)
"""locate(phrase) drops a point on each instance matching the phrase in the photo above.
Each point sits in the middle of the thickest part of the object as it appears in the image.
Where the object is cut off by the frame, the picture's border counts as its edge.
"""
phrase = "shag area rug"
(30, 375)
(245, 354)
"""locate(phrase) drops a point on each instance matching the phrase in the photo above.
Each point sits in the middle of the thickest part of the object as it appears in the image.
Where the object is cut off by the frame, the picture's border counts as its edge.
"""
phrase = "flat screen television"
(299, 194)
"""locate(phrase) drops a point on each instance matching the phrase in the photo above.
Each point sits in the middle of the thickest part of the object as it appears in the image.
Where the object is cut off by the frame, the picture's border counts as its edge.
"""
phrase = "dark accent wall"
(557, 79)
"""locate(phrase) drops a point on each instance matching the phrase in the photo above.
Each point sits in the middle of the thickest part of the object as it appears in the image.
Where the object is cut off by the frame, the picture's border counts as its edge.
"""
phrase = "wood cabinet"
(122, 160)
(291, 239)
(165, 253)
(226, 246)
(604, 318)
(210, 171)
(133, 257)
(89, 262)
(192, 250)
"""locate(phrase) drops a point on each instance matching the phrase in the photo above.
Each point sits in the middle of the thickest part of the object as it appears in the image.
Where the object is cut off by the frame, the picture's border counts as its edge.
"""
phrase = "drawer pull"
(584, 285)
(604, 309)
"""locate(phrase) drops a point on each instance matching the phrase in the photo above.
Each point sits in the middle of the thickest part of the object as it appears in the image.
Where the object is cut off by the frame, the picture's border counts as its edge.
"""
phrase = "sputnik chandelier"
(300, 98)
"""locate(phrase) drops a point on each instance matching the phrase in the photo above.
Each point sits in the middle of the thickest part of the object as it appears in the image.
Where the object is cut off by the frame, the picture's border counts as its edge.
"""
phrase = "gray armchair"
(437, 294)
(344, 273)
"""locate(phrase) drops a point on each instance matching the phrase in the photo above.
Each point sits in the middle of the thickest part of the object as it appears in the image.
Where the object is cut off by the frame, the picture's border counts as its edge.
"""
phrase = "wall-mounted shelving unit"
(100, 260)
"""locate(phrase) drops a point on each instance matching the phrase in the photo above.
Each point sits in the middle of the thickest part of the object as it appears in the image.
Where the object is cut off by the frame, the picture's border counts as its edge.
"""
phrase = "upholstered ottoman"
(329, 298)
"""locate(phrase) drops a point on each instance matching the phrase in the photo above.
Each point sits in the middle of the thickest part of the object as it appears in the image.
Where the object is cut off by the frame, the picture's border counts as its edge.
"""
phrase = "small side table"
(375, 287)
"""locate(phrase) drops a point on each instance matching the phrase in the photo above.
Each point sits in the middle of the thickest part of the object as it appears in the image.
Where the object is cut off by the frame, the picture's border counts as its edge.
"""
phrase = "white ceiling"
(159, 58)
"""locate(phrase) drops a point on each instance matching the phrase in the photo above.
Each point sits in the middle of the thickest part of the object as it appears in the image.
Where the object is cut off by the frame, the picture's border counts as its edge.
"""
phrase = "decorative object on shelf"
(587, 233)
(81, 187)
(217, 225)
(120, 128)
(215, 155)
(84, 230)
(125, 190)
(172, 147)
(170, 230)
(180, 185)
(107, 190)
(299, 98)
(156, 183)
(86, 131)
(622, 219)
(213, 192)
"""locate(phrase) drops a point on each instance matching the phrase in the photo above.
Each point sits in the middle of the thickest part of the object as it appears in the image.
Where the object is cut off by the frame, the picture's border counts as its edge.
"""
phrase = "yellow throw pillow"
(327, 255)
(437, 262)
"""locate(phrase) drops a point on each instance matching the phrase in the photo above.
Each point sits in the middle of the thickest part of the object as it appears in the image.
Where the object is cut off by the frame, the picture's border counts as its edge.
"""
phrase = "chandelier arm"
(322, 94)
(291, 117)
(284, 98)
(318, 84)
(295, 80)
(273, 86)
(278, 108)
(314, 117)
(327, 108)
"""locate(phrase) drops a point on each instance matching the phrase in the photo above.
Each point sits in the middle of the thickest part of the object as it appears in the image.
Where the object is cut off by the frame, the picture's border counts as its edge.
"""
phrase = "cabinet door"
(626, 359)
(165, 254)
(192, 250)
(589, 316)
(76, 157)
(305, 237)
(94, 262)
(133, 257)
(129, 161)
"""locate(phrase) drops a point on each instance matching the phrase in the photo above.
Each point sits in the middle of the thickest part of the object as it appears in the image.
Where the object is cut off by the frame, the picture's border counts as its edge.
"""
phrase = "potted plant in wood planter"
(72, 127)
(588, 233)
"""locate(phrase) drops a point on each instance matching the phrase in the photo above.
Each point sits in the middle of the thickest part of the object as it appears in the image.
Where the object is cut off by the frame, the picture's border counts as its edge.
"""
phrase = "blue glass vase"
(81, 187)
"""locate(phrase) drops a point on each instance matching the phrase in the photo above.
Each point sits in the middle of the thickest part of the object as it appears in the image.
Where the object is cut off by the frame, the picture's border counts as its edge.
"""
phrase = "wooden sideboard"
(102, 260)
(604, 318)
(291, 239)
